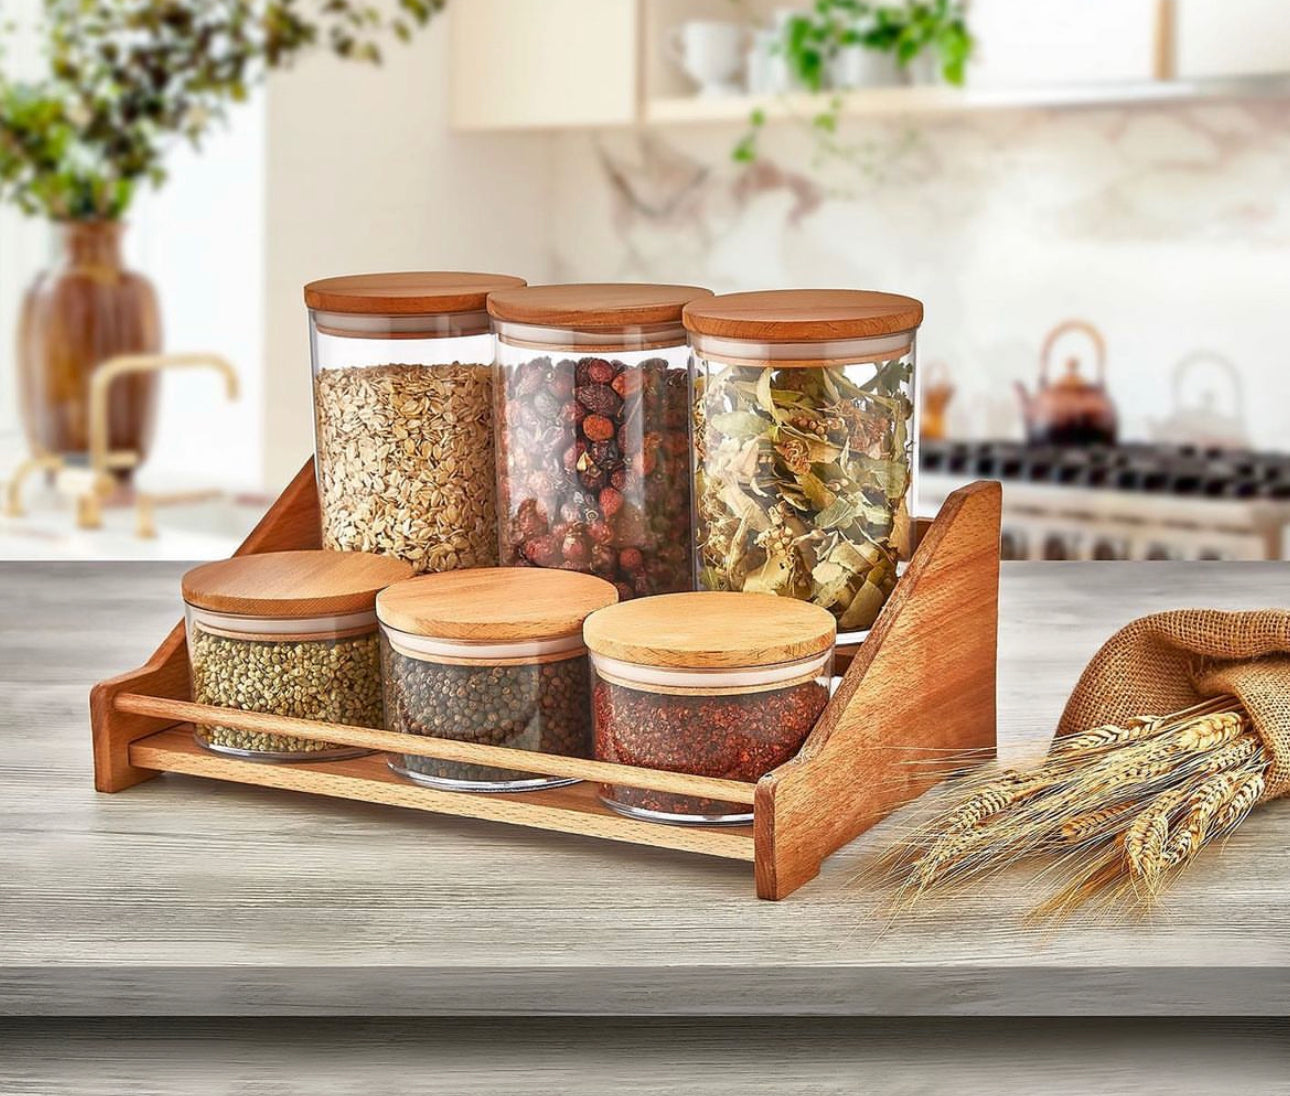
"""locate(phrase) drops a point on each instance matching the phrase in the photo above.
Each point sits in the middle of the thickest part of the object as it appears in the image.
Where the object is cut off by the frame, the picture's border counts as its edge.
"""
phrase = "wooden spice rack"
(922, 682)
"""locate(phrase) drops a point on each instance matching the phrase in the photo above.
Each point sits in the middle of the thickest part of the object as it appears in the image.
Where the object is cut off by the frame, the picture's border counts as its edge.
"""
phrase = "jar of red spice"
(710, 683)
(592, 425)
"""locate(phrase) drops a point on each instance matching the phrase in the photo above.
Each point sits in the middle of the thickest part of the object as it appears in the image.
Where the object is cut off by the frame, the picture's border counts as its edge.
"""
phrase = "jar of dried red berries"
(713, 684)
(592, 429)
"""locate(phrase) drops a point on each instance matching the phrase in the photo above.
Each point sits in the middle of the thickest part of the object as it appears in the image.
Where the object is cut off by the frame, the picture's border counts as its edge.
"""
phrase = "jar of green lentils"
(492, 656)
(292, 634)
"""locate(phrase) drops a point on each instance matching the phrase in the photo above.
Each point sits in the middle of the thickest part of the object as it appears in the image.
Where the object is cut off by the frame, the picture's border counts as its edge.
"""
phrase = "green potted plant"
(928, 40)
(123, 82)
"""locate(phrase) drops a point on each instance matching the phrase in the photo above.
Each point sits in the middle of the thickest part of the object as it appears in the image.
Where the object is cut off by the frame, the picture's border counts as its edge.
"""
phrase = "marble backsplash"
(1166, 227)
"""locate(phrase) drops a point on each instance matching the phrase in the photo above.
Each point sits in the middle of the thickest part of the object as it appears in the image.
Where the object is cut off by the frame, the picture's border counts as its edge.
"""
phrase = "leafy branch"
(126, 79)
(810, 41)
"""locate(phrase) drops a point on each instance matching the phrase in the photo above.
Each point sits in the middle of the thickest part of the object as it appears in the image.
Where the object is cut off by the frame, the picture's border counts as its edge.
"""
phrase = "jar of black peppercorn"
(492, 656)
(710, 683)
(593, 433)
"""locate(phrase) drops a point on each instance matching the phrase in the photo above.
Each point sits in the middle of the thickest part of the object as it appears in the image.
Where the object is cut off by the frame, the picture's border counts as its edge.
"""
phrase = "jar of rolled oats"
(403, 415)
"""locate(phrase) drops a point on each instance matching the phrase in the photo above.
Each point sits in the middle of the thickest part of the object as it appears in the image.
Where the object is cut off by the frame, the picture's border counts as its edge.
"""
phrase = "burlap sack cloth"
(1169, 661)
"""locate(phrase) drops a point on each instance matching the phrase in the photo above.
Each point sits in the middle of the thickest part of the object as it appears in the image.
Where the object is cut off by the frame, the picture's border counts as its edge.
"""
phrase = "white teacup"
(710, 53)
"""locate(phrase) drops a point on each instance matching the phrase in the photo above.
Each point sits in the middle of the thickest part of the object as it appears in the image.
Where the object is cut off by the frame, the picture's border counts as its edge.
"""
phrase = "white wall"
(1169, 228)
(201, 239)
(363, 175)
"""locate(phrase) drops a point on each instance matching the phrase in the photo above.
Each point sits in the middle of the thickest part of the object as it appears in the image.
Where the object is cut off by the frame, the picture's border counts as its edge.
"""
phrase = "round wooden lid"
(711, 630)
(592, 306)
(407, 293)
(495, 603)
(292, 585)
(803, 315)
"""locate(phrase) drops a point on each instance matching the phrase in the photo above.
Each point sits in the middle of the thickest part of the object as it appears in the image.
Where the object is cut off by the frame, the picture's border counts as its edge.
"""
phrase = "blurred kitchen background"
(1079, 190)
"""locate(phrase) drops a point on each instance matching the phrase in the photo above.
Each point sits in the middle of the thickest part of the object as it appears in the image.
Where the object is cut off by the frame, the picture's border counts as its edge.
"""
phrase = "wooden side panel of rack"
(922, 682)
(292, 522)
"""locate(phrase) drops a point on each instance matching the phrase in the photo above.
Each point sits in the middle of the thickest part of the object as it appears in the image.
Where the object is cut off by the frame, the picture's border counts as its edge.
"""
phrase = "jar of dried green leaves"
(804, 445)
(402, 367)
(493, 657)
(287, 633)
(713, 684)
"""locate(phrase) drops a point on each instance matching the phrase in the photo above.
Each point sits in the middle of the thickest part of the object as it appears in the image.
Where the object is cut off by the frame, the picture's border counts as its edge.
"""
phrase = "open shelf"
(890, 102)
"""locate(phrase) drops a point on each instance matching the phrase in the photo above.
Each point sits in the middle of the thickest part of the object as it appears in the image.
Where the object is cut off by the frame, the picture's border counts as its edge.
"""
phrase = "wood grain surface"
(803, 315)
(187, 896)
(407, 292)
(593, 306)
(590, 1057)
(293, 584)
(711, 629)
(495, 604)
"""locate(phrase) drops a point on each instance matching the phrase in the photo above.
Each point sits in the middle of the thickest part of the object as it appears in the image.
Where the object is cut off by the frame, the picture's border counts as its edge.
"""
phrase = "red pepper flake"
(739, 736)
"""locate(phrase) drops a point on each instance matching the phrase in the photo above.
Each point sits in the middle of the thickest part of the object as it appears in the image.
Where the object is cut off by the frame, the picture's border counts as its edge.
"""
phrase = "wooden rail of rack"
(922, 682)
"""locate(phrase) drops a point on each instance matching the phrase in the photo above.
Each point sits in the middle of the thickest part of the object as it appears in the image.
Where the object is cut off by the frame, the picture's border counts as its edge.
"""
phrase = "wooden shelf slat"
(443, 749)
(572, 809)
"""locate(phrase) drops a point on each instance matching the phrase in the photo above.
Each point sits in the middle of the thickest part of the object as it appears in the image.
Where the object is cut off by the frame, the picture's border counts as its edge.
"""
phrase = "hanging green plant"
(810, 41)
(128, 78)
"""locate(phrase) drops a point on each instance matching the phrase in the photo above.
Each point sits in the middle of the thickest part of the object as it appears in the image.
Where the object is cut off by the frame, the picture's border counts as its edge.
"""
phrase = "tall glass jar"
(805, 445)
(712, 684)
(403, 428)
(287, 633)
(593, 433)
(493, 657)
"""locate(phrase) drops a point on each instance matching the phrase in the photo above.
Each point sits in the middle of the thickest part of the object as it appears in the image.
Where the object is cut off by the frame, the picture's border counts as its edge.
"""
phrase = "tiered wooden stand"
(923, 682)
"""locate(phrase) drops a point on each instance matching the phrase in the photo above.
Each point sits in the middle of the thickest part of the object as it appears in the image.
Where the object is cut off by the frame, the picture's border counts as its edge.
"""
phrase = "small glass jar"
(287, 633)
(403, 417)
(804, 439)
(713, 684)
(593, 432)
(492, 656)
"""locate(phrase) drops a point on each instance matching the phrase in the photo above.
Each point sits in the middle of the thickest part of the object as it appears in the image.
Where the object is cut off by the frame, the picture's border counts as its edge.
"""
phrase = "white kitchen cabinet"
(1049, 42)
(1218, 38)
(543, 63)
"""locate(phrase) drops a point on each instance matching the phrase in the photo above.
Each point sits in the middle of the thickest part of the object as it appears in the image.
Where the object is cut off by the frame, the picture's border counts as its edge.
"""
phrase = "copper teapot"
(1070, 410)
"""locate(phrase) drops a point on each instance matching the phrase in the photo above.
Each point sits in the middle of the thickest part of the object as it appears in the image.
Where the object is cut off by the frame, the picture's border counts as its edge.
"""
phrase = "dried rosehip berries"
(543, 551)
(631, 560)
(627, 383)
(601, 532)
(604, 560)
(625, 591)
(599, 399)
(574, 549)
(600, 371)
(603, 453)
(562, 384)
(597, 428)
(611, 501)
(618, 478)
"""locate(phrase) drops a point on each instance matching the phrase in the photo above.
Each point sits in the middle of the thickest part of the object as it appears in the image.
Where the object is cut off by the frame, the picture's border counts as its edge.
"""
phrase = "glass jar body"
(733, 724)
(593, 469)
(322, 668)
(804, 463)
(524, 696)
(403, 432)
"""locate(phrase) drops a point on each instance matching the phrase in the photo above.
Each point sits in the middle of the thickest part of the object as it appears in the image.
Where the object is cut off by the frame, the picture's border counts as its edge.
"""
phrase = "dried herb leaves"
(801, 480)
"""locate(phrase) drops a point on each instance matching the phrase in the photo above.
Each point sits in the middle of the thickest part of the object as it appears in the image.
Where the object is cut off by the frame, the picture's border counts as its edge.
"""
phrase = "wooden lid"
(804, 315)
(592, 306)
(408, 293)
(711, 630)
(495, 603)
(291, 585)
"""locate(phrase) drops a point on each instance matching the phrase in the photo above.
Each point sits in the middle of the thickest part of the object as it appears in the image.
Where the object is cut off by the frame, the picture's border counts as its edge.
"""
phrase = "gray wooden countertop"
(189, 897)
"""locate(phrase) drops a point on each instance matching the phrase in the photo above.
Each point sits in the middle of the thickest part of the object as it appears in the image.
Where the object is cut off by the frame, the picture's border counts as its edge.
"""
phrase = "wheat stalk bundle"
(1115, 813)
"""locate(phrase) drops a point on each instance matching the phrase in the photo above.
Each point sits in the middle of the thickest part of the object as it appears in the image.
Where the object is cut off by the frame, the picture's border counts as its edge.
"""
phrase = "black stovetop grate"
(1185, 470)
